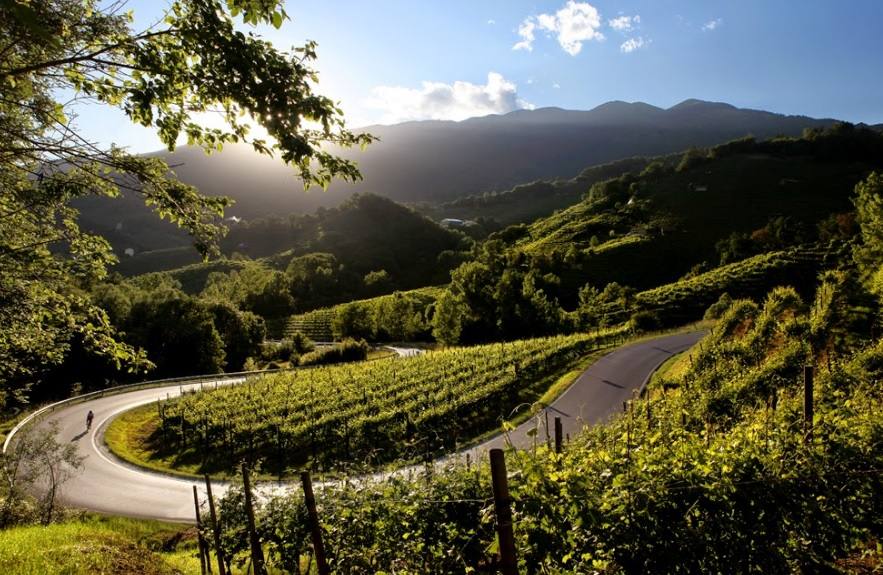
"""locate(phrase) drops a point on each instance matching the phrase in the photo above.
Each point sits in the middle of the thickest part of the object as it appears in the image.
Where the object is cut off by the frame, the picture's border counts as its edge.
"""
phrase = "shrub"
(347, 350)
(643, 321)
(288, 349)
(720, 307)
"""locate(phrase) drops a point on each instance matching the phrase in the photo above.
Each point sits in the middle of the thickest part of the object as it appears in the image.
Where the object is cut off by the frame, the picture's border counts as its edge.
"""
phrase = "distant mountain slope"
(440, 161)
(366, 233)
(526, 202)
(435, 161)
(648, 229)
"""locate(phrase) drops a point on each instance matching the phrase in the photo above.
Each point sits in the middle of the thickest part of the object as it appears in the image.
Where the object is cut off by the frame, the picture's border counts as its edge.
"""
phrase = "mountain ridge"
(436, 162)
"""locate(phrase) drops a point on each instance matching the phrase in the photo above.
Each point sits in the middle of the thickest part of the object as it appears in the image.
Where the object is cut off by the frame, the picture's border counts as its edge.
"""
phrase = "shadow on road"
(79, 437)
(556, 410)
(663, 350)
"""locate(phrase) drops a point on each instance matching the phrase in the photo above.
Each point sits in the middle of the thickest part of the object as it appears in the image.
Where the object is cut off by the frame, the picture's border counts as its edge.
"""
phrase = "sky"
(388, 61)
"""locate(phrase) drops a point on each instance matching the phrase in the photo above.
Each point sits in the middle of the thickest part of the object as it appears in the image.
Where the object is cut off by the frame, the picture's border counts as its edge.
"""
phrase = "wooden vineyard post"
(205, 562)
(649, 412)
(257, 554)
(558, 431)
(216, 529)
(807, 402)
(503, 511)
(315, 529)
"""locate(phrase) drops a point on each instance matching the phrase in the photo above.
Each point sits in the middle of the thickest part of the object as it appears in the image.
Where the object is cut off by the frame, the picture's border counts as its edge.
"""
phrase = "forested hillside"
(670, 222)
(527, 202)
(665, 241)
(365, 233)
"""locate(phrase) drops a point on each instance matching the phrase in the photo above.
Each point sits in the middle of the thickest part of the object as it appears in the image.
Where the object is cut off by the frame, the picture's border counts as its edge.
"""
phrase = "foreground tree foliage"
(58, 54)
(36, 457)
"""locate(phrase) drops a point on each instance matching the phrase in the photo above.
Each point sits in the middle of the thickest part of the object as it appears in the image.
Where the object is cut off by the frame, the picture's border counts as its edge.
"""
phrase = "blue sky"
(391, 60)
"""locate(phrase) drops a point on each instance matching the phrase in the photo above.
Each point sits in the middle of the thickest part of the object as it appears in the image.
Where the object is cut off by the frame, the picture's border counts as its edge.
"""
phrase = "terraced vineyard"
(685, 300)
(316, 324)
(375, 411)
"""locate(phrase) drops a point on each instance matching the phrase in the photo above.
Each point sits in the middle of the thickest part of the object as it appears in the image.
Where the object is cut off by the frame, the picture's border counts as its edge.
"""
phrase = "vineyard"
(719, 471)
(685, 300)
(370, 412)
(317, 324)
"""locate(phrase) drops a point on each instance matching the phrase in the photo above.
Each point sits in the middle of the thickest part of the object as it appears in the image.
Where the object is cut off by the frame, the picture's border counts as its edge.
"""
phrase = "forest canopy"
(56, 55)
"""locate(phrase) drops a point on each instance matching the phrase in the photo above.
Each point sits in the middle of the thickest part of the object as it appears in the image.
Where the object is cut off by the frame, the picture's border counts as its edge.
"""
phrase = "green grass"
(97, 545)
(675, 367)
(381, 353)
(128, 437)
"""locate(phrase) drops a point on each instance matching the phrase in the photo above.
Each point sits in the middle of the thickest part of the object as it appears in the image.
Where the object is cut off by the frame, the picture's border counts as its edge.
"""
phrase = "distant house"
(455, 223)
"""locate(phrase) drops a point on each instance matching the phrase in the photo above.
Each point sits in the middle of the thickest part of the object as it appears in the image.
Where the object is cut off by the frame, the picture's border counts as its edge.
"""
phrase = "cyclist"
(89, 417)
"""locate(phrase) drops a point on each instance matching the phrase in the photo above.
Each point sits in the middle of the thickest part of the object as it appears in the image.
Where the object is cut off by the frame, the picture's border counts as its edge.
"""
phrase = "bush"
(692, 158)
(347, 350)
(288, 349)
(300, 342)
(643, 321)
(719, 308)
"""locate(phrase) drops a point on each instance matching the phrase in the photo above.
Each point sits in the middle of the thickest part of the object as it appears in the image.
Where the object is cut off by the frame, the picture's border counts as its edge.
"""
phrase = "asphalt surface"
(597, 394)
(109, 485)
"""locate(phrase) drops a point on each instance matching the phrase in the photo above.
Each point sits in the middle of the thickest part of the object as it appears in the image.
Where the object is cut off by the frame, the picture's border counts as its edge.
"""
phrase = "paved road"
(405, 351)
(598, 393)
(111, 486)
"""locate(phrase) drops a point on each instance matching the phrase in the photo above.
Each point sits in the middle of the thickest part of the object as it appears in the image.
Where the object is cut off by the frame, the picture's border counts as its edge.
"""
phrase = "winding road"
(109, 485)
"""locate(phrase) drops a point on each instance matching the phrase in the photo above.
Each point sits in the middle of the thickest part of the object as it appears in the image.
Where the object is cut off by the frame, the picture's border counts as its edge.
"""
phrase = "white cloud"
(712, 24)
(526, 31)
(440, 101)
(625, 23)
(556, 85)
(491, 22)
(632, 44)
(573, 24)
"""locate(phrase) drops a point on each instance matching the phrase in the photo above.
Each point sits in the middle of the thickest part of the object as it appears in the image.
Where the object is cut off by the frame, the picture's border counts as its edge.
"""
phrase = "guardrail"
(117, 389)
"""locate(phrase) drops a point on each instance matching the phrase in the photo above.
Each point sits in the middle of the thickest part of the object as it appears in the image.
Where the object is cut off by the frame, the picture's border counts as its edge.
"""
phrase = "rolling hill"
(437, 162)
(440, 160)
(651, 228)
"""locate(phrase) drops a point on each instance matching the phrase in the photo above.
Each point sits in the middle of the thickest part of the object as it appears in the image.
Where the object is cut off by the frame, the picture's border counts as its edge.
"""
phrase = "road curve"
(109, 485)
(598, 393)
